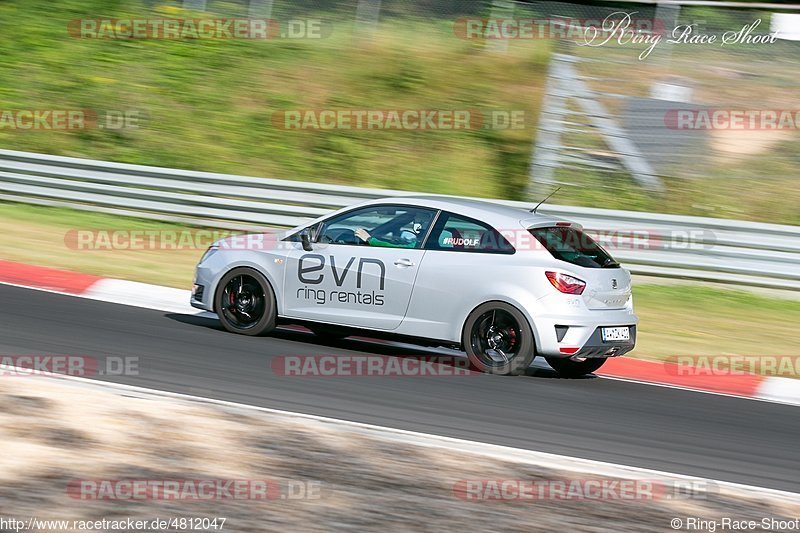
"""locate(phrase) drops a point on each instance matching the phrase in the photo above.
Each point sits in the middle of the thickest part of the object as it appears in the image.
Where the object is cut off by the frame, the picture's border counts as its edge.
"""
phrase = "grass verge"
(209, 103)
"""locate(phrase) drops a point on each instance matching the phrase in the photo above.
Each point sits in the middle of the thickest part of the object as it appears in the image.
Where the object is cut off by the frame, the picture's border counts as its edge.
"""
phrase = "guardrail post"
(367, 15)
(194, 5)
(260, 9)
(666, 18)
(501, 9)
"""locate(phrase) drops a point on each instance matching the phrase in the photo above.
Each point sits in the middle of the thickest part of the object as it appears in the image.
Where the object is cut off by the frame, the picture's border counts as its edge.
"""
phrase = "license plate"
(616, 334)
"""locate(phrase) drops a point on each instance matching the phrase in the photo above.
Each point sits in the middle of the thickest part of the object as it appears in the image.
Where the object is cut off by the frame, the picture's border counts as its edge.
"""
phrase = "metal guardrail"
(683, 247)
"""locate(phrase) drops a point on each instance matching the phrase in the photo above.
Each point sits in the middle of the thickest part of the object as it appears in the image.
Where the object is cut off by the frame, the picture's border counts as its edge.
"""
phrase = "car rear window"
(572, 245)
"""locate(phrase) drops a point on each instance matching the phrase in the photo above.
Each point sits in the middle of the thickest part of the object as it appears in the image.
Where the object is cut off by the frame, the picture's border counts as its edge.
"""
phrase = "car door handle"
(404, 263)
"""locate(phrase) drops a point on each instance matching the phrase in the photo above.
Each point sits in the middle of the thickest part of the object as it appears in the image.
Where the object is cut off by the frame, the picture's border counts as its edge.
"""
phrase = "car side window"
(462, 234)
(385, 225)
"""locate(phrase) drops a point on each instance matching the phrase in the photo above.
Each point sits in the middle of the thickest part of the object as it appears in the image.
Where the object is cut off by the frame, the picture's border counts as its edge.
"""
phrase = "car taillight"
(565, 283)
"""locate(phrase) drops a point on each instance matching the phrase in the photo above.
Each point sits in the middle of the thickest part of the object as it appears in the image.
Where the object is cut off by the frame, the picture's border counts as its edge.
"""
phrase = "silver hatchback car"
(501, 283)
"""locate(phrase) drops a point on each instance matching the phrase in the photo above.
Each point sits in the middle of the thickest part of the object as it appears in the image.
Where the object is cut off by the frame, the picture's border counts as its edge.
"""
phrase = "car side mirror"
(305, 238)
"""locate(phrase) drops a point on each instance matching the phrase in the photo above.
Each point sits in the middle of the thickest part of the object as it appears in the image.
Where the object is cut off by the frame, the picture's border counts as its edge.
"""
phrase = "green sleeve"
(372, 241)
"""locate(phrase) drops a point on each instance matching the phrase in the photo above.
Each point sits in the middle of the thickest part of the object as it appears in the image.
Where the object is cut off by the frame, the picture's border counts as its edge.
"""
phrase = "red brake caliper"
(513, 336)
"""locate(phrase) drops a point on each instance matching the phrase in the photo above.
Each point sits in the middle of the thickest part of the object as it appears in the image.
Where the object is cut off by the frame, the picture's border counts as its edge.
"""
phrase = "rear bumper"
(597, 347)
(580, 336)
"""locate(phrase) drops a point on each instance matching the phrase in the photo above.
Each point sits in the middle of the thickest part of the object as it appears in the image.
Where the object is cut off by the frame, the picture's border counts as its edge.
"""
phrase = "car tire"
(245, 302)
(328, 332)
(574, 369)
(493, 329)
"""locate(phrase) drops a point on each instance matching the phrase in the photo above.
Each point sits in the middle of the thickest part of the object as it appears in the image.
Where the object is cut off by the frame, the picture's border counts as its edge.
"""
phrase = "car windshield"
(572, 245)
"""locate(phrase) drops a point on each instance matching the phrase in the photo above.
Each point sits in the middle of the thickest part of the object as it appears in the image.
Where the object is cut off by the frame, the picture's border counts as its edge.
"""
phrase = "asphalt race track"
(725, 438)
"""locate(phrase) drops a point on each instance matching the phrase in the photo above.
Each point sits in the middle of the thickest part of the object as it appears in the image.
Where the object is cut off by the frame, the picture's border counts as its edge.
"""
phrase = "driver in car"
(408, 237)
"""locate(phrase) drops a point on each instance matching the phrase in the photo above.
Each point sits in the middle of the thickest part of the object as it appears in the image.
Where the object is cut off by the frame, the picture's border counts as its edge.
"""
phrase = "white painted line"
(758, 398)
